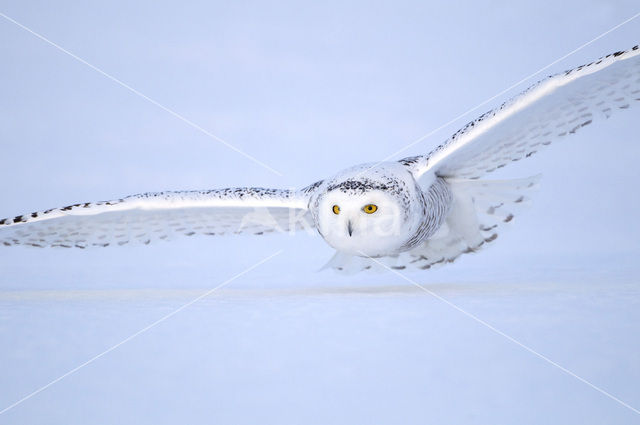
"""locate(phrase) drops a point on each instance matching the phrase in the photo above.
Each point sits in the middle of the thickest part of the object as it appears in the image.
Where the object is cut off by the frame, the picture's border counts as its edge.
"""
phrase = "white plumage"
(421, 211)
(159, 216)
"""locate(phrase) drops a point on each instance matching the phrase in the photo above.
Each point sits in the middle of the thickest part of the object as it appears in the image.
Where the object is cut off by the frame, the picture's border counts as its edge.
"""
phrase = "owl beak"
(349, 228)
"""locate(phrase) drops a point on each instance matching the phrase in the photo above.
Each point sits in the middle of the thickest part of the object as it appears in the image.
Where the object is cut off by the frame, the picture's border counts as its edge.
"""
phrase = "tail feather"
(351, 264)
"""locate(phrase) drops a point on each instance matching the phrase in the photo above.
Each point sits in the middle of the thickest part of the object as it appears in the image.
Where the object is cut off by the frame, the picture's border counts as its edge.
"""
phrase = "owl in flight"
(418, 212)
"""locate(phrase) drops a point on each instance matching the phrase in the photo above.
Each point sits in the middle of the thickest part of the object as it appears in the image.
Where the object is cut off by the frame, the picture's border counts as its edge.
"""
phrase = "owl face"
(368, 223)
(369, 211)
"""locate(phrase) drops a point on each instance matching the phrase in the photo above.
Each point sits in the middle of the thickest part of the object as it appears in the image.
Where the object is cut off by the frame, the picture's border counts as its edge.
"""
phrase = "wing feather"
(160, 216)
(548, 111)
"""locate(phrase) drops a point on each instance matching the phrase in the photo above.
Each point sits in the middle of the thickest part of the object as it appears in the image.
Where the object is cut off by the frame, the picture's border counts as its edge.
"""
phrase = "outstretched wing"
(548, 111)
(160, 216)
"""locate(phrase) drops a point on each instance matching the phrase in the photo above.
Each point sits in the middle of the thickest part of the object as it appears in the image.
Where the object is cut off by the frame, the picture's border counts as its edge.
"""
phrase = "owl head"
(368, 211)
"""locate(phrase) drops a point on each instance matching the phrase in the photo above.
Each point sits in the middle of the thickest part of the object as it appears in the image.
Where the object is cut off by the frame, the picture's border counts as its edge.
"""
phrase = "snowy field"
(326, 354)
(543, 327)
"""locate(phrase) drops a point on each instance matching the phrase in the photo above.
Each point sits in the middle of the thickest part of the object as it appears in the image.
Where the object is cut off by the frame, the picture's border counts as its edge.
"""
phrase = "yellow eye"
(336, 209)
(370, 208)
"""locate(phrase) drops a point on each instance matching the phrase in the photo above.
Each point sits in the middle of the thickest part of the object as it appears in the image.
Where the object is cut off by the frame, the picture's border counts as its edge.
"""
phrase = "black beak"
(349, 228)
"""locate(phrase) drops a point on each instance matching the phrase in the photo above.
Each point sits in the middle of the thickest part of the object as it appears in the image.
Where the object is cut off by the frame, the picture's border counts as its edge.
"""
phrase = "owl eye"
(336, 209)
(370, 208)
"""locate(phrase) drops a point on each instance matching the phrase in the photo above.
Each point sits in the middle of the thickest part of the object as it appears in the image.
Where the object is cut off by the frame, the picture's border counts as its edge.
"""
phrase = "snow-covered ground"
(326, 353)
(309, 90)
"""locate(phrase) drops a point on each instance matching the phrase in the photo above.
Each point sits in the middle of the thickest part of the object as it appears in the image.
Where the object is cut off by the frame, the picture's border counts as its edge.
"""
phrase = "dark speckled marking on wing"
(156, 216)
(618, 91)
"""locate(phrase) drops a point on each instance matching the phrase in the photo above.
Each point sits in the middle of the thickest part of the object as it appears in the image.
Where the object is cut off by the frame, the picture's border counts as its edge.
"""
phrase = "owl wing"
(556, 107)
(161, 216)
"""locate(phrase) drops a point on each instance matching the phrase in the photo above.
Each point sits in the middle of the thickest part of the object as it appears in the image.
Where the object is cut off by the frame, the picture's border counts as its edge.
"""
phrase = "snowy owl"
(418, 212)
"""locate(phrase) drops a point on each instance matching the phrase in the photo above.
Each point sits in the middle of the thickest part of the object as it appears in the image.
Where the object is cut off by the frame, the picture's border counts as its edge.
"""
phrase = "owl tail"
(350, 264)
(480, 210)
(346, 263)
